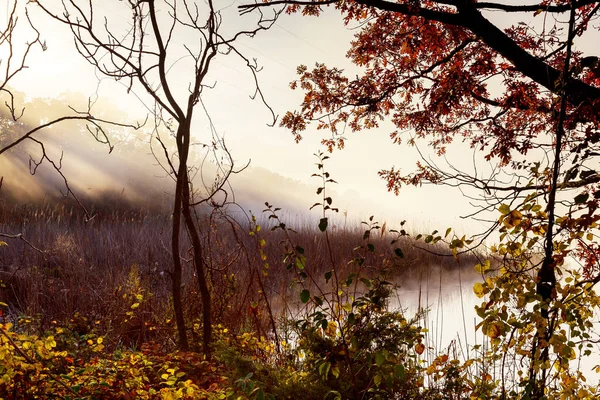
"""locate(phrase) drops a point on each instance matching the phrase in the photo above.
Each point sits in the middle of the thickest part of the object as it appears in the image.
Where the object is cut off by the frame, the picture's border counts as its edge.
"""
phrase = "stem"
(546, 278)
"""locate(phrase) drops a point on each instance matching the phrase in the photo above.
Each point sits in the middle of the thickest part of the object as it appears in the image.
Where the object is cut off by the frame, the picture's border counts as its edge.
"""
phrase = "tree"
(140, 50)
(525, 97)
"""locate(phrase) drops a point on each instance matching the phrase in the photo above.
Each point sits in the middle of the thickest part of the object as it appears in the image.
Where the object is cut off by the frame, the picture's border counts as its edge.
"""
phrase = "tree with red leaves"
(525, 97)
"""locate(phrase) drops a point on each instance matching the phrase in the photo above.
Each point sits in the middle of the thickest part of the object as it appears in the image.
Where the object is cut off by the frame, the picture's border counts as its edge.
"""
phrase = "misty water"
(449, 300)
(451, 319)
(447, 304)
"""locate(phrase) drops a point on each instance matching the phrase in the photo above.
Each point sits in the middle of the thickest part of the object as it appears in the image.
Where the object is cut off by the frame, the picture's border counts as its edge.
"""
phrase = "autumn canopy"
(444, 70)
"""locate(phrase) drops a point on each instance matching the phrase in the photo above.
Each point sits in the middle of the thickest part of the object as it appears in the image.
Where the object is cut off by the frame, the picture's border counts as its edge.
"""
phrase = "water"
(451, 318)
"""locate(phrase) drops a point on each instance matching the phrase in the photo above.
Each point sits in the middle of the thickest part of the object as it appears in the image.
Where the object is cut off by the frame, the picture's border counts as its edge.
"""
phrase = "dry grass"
(94, 269)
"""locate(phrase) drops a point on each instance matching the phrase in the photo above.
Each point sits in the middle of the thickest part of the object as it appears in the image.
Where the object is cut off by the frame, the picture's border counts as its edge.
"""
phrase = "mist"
(131, 169)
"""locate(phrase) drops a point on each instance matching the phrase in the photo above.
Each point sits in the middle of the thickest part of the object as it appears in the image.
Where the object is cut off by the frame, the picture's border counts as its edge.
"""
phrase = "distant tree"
(138, 42)
(525, 97)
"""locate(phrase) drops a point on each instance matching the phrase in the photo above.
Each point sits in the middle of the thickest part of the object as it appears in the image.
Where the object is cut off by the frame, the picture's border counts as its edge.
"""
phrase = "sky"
(292, 41)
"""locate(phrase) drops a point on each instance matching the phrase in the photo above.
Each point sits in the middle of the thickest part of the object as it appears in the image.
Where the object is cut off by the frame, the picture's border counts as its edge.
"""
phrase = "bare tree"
(17, 41)
(138, 43)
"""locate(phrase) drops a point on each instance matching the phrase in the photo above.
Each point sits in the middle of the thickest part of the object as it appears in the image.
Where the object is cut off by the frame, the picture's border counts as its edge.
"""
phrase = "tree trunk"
(176, 276)
(200, 269)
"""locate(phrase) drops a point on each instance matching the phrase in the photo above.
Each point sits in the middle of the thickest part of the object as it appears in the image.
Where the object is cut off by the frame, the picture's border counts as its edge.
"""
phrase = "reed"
(91, 268)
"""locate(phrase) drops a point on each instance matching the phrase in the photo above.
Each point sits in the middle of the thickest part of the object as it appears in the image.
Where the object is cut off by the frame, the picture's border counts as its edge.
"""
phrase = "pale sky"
(294, 40)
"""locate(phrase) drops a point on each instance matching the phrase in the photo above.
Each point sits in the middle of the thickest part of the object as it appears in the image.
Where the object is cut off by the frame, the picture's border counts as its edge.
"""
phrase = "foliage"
(346, 344)
(372, 354)
(525, 98)
(63, 364)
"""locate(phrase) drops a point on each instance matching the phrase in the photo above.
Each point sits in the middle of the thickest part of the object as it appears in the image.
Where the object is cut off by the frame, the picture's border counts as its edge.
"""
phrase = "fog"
(133, 172)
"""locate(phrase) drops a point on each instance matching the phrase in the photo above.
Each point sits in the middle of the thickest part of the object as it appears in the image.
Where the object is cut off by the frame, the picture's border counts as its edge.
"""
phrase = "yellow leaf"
(494, 330)
(483, 267)
(479, 290)
(512, 219)
(331, 329)
(50, 343)
(169, 395)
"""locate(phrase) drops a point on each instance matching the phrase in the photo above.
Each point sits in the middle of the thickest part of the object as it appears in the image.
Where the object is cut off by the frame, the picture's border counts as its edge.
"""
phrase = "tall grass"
(90, 268)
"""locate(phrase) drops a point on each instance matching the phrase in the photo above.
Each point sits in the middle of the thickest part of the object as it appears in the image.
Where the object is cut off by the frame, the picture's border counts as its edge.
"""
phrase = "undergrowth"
(86, 313)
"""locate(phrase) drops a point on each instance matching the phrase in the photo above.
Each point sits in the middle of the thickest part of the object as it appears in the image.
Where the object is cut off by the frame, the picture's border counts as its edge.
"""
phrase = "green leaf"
(301, 262)
(305, 296)
(428, 238)
(335, 371)
(399, 371)
(323, 224)
(457, 243)
(324, 369)
(260, 395)
(377, 379)
(504, 209)
(350, 279)
(581, 198)
(448, 232)
(379, 358)
(328, 276)
(351, 319)
(336, 395)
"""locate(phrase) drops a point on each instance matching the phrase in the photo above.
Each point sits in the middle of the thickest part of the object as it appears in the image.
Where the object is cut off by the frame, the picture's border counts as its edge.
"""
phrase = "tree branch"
(557, 8)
